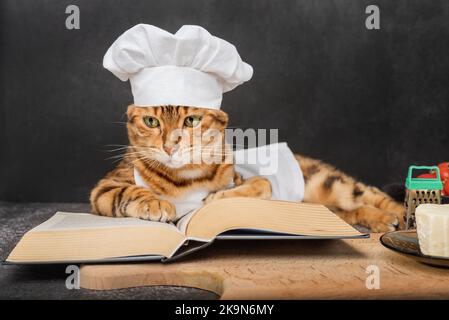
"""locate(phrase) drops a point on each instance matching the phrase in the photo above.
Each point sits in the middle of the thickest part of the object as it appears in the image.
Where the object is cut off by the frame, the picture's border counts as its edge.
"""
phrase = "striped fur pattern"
(152, 150)
(353, 201)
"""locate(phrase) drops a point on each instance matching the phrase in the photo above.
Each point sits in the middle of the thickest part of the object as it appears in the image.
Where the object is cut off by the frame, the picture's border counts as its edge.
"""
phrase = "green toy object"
(420, 190)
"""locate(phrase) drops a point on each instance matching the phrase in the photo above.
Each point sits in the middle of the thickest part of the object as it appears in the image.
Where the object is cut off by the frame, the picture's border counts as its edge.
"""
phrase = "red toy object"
(444, 171)
(445, 191)
(427, 175)
(444, 177)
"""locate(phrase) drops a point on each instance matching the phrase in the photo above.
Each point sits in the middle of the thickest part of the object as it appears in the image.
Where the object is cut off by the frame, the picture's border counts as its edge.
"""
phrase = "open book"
(83, 237)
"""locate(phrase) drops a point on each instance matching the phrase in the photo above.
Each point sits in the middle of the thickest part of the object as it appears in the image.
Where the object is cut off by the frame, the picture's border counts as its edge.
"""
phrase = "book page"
(79, 221)
(86, 237)
(285, 217)
(184, 221)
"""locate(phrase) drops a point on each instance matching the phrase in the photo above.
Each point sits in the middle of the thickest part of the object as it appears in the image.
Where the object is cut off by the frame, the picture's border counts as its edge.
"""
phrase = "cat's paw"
(401, 214)
(214, 196)
(385, 222)
(156, 210)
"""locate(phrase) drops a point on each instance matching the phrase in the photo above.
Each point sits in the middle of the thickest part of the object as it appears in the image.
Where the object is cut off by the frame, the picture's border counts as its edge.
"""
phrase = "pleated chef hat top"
(189, 68)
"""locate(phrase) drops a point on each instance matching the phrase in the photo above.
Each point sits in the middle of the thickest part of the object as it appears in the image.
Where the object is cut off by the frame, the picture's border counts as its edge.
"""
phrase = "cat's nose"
(169, 149)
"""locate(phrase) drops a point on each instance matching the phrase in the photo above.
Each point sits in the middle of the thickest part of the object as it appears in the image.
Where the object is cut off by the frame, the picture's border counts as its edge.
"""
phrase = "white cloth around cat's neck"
(189, 68)
(275, 162)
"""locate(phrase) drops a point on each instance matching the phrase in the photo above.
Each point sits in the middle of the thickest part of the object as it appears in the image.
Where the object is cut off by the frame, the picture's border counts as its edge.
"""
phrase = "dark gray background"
(370, 102)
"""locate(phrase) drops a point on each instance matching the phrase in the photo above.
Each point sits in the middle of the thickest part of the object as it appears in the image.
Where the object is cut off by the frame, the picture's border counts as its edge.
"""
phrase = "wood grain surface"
(306, 269)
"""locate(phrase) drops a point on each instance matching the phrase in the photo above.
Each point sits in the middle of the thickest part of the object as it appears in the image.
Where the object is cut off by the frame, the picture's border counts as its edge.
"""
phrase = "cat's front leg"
(255, 187)
(113, 199)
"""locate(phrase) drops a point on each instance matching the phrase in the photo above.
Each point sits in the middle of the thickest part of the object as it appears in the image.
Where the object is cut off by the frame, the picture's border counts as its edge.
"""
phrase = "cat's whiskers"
(128, 154)
(123, 155)
(119, 122)
(143, 157)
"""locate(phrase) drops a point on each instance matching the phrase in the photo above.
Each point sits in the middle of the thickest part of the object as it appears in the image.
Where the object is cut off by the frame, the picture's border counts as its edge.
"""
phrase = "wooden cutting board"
(306, 269)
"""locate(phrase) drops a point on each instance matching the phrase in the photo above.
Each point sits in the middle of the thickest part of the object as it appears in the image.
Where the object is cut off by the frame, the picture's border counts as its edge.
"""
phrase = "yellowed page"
(83, 237)
(182, 223)
(267, 215)
(77, 221)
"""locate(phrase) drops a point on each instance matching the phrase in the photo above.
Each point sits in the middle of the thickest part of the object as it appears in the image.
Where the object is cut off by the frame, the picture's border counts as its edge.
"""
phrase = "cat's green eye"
(192, 121)
(151, 122)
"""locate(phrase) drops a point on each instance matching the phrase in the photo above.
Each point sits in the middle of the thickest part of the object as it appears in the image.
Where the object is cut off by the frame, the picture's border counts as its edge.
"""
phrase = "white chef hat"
(190, 68)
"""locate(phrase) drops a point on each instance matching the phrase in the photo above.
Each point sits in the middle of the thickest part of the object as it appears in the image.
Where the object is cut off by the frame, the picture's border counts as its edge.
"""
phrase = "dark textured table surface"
(48, 282)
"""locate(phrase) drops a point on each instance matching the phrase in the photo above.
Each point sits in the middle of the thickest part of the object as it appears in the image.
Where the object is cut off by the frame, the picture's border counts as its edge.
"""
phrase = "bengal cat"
(158, 156)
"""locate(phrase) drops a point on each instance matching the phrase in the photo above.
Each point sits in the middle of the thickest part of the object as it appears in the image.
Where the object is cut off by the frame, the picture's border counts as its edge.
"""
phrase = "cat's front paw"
(156, 210)
(214, 196)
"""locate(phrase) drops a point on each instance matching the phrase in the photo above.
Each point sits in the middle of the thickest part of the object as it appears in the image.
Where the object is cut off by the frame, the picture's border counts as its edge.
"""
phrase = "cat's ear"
(130, 111)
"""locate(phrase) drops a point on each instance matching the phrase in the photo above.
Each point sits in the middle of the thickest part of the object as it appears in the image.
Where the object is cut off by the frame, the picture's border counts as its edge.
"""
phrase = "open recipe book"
(83, 237)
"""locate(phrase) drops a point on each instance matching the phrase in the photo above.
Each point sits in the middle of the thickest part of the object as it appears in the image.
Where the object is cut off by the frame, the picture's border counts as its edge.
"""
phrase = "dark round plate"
(406, 243)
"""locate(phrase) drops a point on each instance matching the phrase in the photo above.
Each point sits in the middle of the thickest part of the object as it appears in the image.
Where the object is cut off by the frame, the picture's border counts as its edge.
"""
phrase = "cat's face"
(170, 135)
